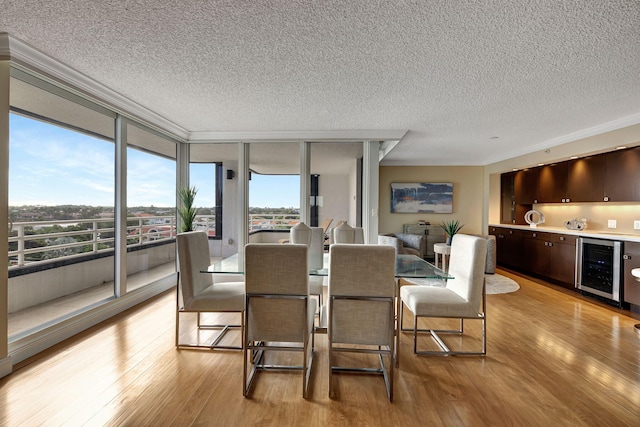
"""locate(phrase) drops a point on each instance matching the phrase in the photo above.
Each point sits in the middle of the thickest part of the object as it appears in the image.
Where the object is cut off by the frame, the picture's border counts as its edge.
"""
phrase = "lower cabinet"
(548, 255)
(562, 259)
(631, 261)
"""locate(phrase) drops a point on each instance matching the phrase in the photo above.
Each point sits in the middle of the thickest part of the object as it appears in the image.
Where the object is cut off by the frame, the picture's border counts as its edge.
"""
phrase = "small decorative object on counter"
(574, 224)
(530, 219)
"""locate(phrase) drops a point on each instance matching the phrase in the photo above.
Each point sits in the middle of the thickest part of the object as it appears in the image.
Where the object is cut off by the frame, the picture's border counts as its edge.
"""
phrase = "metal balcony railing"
(78, 237)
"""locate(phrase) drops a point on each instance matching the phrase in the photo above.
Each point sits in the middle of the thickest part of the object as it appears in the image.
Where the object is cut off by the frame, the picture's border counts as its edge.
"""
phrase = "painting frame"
(422, 197)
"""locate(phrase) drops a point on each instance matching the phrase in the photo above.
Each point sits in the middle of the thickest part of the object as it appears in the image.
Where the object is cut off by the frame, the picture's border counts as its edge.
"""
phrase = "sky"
(50, 165)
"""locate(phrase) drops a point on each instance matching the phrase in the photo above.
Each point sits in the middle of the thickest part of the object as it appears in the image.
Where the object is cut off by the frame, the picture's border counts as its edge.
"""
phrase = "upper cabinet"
(622, 175)
(552, 183)
(525, 185)
(608, 177)
(507, 201)
(585, 180)
(510, 211)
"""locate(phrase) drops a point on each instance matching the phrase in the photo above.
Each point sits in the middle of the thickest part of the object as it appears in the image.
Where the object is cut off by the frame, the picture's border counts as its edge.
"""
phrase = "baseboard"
(6, 366)
(33, 344)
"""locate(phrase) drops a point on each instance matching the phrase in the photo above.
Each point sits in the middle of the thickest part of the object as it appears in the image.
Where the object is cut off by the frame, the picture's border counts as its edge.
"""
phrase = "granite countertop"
(597, 234)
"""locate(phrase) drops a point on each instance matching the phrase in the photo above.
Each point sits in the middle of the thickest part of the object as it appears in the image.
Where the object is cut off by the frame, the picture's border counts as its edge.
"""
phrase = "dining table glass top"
(407, 266)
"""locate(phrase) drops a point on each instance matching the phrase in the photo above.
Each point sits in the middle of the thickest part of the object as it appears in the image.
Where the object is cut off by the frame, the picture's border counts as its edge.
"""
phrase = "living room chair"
(197, 292)
(362, 294)
(312, 237)
(406, 244)
(279, 311)
(463, 297)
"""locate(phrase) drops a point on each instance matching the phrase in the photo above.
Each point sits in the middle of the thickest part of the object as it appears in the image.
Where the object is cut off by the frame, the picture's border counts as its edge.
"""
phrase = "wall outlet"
(636, 225)
(612, 223)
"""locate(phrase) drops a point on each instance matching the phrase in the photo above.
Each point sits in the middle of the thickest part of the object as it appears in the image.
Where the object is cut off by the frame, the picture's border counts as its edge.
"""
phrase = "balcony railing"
(268, 221)
(72, 238)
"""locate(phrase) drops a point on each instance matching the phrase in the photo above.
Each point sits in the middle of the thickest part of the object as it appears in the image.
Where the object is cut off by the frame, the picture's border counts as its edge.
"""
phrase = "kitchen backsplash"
(596, 214)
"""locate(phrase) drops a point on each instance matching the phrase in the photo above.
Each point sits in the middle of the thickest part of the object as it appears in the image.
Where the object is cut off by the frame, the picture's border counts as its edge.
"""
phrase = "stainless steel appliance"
(598, 271)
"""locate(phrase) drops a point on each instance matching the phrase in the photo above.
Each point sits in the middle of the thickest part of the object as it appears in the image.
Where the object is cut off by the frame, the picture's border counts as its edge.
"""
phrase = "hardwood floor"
(553, 358)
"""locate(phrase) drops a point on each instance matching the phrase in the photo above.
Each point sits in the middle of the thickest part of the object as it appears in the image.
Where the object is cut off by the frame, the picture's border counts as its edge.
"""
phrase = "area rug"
(499, 284)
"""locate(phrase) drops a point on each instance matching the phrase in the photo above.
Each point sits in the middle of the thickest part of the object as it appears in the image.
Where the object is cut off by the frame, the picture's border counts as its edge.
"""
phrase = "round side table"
(444, 251)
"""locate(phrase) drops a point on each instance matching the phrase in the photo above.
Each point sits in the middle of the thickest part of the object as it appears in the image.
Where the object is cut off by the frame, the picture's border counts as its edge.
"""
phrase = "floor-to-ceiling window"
(66, 271)
(274, 190)
(151, 201)
(213, 172)
(61, 203)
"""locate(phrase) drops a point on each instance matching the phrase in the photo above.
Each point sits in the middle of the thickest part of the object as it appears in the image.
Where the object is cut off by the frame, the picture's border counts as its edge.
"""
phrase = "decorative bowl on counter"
(574, 224)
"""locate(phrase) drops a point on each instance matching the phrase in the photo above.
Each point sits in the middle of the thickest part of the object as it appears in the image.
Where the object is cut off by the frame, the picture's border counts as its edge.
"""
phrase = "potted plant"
(451, 228)
(186, 210)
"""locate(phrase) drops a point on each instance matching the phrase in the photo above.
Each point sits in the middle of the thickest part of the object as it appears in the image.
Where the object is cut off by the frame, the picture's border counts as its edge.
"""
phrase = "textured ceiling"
(452, 73)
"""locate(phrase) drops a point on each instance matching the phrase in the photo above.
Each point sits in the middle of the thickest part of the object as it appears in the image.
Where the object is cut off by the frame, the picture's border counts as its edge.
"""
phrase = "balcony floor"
(33, 318)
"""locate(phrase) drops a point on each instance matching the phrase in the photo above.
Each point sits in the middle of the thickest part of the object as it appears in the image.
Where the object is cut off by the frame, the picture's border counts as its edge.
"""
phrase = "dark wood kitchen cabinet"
(548, 255)
(585, 179)
(507, 199)
(510, 211)
(552, 183)
(508, 247)
(562, 259)
(622, 175)
(525, 186)
(535, 252)
(631, 260)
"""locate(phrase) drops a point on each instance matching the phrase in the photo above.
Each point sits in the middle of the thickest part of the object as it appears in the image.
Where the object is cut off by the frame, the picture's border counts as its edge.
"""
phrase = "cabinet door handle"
(568, 200)
(550, 244)
(562, 238)
(625, 256)
(606, 199)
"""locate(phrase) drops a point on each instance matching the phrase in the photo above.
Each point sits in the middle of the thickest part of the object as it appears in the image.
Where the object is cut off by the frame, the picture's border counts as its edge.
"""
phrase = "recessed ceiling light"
(621, 147)
(515, 169)
(573, 157)
(540, 164)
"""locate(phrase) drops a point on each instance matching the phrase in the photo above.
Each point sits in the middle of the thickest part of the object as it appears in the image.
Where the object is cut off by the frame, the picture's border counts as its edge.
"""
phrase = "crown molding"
(292, 136)
(613, 125)
(31, 58)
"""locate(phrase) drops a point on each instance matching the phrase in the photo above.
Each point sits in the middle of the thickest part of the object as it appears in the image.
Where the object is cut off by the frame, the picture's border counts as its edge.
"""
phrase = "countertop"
(597, 234)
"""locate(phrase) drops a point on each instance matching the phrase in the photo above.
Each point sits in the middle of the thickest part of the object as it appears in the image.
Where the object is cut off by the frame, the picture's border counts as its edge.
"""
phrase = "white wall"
(229, 215)
(334, 190)
(353, 220)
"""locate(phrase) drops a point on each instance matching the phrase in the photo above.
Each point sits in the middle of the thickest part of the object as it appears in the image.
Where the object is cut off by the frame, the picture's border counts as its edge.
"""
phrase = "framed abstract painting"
(422, 197)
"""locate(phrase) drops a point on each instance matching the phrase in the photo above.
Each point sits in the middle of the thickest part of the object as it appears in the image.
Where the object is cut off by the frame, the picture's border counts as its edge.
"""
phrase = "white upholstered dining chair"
(313, 238)
(197, 292)
(463, 297)
(279, 312)
(345, 233)
(362, 292)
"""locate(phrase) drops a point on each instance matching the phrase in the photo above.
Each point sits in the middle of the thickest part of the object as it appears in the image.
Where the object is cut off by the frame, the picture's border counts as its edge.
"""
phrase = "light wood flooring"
(554, 359)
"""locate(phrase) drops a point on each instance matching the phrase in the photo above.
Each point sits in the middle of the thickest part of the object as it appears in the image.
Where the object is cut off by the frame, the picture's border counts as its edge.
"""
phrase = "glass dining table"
(410, 270)
(407, 267)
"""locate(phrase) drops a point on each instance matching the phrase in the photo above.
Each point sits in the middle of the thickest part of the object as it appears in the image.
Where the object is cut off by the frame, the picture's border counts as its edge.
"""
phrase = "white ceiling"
(455, 74)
